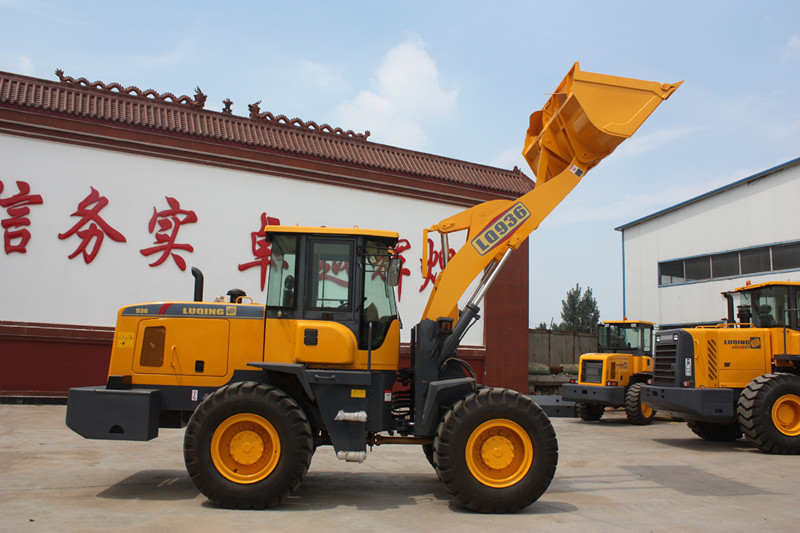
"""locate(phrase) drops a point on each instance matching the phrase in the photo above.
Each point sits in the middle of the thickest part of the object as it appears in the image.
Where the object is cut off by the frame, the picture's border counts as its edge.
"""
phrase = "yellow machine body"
(618, 368)
(204, 351)
(740, 377)
(733, 354)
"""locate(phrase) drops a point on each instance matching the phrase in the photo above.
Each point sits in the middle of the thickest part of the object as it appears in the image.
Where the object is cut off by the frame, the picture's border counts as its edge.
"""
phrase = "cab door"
(331, 282)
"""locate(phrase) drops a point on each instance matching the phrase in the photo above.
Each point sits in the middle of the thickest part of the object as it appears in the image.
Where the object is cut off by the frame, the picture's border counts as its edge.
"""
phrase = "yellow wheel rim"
(245, 448)
(647, 411)
(499, 453)
(786, 415)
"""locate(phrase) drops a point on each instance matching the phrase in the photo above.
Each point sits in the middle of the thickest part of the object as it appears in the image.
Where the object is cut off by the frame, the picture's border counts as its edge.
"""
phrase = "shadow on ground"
(372, 491)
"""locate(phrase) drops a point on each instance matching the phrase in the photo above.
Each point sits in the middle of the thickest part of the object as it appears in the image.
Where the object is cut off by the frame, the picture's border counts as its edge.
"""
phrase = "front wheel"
(638, 412)
(769, 413)
(496, 451)
(247, 446)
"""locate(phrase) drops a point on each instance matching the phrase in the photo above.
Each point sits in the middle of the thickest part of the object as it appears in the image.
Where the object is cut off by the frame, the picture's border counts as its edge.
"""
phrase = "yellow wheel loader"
(260, 387)
(737, 377)
(614, 376)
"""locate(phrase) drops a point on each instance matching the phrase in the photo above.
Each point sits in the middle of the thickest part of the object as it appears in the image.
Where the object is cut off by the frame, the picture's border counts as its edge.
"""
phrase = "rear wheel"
(496, 451)
(715, 432)
(590, 411)
(769, 413)
(247, 446)
(639, 413)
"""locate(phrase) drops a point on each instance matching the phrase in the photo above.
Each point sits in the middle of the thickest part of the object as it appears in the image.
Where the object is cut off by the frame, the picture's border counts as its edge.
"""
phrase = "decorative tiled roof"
(130, 107)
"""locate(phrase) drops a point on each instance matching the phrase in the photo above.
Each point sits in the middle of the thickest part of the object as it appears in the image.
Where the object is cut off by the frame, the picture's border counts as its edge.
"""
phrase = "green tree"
(579, 312)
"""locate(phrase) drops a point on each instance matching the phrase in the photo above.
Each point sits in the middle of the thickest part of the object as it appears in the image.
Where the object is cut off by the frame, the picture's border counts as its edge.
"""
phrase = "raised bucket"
(587, 117)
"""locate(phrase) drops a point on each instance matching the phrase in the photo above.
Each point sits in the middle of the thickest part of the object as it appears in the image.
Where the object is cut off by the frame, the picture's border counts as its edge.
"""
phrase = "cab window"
(281, 282)
(768, 306)
(379, 304)
(330, 275)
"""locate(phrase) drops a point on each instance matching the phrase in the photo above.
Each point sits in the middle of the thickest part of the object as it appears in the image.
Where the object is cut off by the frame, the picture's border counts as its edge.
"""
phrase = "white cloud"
(406, 97)
(791, 52)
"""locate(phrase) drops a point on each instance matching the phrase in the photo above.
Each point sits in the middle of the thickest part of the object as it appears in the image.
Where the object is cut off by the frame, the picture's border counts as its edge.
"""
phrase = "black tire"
(427, 449)
(590, 411)
(518, 435)
(638, 413)
(769, 413)
(715, 432)
(247, 446)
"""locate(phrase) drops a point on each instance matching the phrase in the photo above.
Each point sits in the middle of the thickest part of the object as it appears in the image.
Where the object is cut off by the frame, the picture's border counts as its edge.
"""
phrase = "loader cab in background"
(332, 288)
(625, 337)
(614, 376)
(768, 305)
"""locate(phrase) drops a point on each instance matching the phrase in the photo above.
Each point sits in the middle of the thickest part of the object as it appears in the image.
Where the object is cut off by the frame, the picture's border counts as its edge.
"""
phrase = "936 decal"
(501, 228)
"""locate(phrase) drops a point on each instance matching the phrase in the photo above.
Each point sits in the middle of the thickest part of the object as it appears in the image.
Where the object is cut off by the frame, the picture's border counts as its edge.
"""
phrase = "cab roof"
(768, 284)
(316, 230)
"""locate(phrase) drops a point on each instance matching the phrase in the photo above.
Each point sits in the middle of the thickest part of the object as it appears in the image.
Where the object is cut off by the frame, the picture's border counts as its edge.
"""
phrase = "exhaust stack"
(198, 284)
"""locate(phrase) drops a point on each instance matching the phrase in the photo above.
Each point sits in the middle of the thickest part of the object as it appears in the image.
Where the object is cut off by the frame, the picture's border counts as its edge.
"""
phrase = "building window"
(725, 265)
(730, 264)
(671, 272)
(697, 268)
(786, 256)
(755, 260)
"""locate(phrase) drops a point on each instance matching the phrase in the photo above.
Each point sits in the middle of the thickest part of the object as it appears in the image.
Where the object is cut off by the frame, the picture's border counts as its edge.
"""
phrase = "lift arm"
(584, 120)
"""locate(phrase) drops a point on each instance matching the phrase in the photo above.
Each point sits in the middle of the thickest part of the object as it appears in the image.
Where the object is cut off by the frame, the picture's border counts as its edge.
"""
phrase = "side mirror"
(393, 272)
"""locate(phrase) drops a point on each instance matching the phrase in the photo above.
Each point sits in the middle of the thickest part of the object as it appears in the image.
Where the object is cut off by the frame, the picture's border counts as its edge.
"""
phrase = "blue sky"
(460, 79)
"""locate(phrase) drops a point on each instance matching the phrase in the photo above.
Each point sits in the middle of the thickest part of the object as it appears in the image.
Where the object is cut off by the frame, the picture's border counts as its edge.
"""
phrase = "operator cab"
(769, 305)
(337, 275)
(625, 337)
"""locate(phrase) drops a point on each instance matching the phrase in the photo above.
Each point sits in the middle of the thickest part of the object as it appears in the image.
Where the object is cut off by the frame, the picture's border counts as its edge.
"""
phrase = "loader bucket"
(586, 118)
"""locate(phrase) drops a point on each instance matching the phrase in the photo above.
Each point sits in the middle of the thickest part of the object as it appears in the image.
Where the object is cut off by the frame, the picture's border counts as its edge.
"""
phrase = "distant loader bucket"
(586, 118)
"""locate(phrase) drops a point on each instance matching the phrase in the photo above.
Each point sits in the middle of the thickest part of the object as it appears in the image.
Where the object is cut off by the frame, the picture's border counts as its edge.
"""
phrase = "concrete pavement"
(611, 477)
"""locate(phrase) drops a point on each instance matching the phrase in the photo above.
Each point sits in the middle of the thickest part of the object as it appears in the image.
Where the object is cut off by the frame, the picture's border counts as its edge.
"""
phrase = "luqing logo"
(754, 343)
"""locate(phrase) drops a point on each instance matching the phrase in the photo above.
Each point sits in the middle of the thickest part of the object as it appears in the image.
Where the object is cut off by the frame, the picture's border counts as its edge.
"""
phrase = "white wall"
(43, 285)
(757, 213)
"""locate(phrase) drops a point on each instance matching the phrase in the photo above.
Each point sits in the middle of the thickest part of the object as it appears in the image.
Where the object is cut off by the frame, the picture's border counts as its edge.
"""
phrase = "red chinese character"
(89, 211)
(435, 259)
(402, 246)
(169, 223)
(328, 270)
(17, 211)
(262, 250)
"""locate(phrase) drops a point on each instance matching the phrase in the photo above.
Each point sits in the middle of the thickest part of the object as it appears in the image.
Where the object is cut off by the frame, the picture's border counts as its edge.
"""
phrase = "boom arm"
(586, 118)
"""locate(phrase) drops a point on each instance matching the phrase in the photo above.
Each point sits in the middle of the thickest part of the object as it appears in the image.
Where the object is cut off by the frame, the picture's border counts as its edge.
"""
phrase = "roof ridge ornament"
(255, 114)
(199, 99)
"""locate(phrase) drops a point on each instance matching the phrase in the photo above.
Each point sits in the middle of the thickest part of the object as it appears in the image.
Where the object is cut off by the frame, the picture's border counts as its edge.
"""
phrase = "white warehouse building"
(678, 262)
